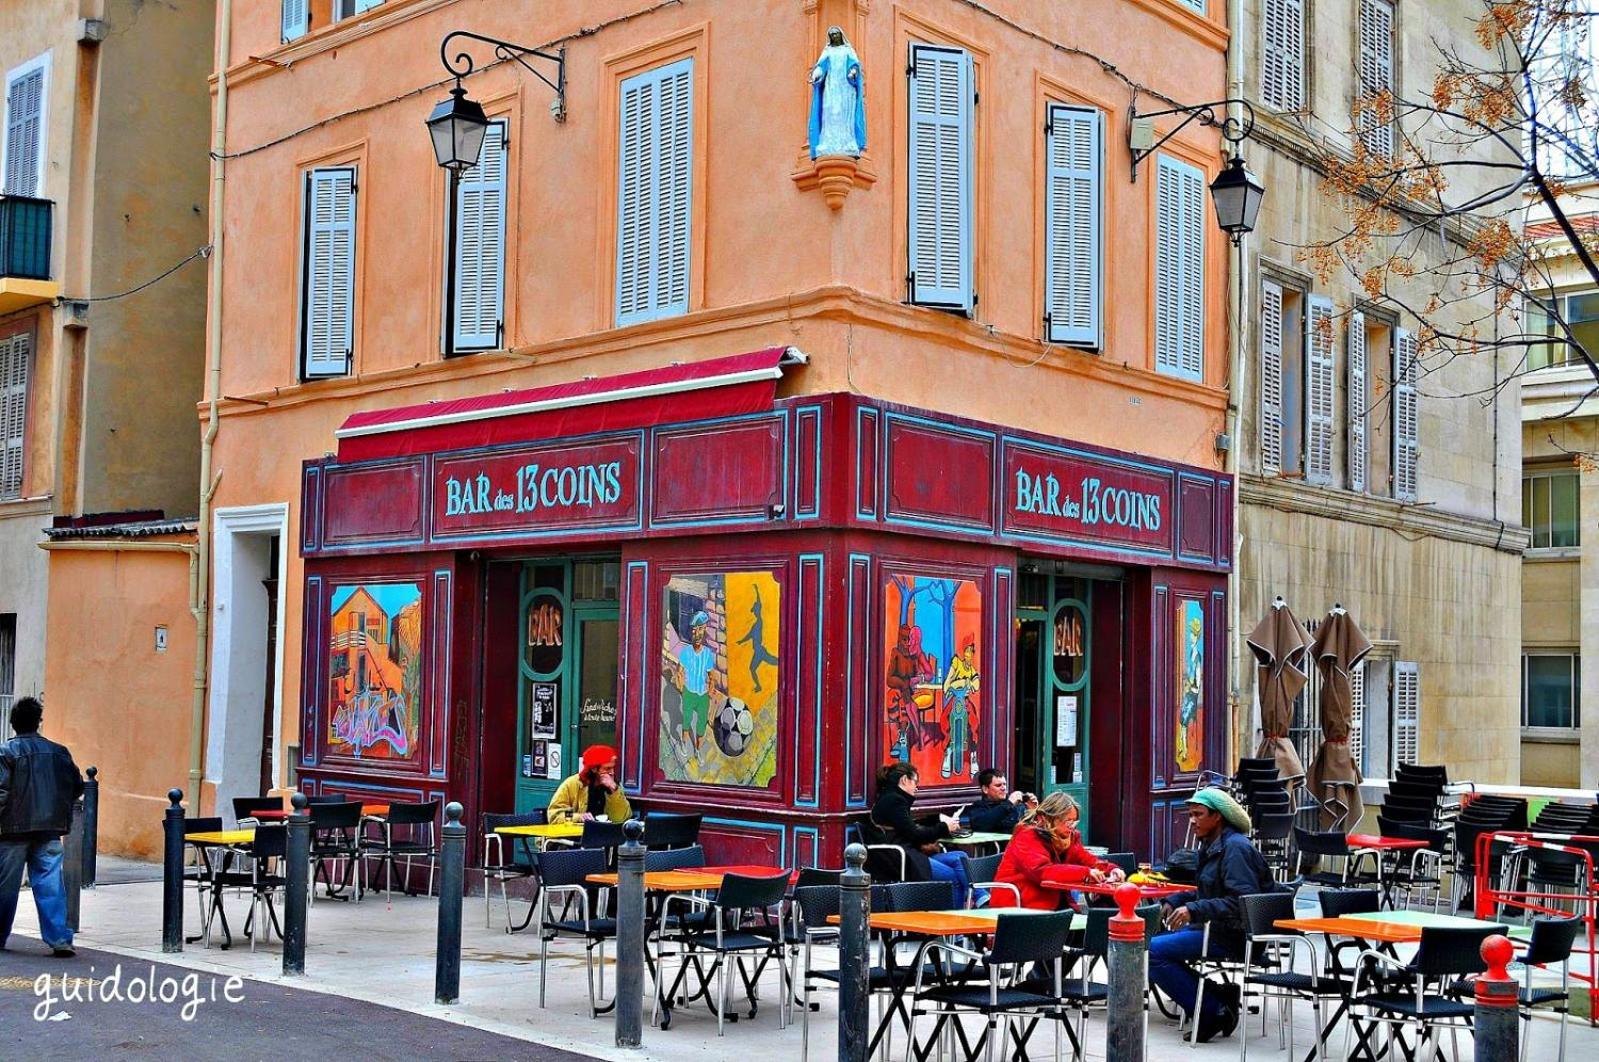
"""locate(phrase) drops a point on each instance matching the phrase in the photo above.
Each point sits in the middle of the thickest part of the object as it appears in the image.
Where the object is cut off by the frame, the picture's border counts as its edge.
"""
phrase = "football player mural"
(719, 679)
(932, 681)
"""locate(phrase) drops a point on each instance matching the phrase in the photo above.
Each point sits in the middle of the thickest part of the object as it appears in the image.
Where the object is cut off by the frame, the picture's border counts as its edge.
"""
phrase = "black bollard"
(854, 913)
(172, 876)
(452, 878)
(1125, 1017)
(91, 824)
(630, 937)
(72, 864)
(297, 871)
(1497, 1014)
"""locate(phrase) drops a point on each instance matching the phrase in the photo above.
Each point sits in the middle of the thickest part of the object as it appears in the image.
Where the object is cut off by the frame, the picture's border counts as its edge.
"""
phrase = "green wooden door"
(1052, 686)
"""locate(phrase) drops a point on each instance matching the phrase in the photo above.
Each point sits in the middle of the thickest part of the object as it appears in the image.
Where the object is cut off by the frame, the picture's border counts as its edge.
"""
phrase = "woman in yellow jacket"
(592, 792)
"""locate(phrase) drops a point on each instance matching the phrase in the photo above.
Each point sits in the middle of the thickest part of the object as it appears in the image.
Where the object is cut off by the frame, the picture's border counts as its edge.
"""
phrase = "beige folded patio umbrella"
(1279, 644)
(1338, 648)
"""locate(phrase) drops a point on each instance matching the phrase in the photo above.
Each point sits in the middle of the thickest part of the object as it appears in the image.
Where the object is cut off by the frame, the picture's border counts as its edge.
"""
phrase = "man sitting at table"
(1046, 850)
(1229, 867)
(925, 859)
(1000, 811)
(593, 792)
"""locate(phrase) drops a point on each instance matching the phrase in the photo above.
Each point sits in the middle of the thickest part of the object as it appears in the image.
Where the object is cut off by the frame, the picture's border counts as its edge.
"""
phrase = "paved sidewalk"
(91, 1007)
(376, 953)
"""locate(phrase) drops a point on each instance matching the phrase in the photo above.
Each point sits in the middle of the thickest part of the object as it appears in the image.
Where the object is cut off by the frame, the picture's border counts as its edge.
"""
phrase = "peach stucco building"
(733, 240)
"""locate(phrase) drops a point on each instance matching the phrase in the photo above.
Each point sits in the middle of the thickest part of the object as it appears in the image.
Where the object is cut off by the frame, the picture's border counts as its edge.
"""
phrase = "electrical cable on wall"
(203, 252)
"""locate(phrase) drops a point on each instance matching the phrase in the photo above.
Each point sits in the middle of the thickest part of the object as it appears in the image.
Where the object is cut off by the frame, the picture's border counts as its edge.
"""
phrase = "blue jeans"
(1168, 954)
(43, 859)
(951, 866)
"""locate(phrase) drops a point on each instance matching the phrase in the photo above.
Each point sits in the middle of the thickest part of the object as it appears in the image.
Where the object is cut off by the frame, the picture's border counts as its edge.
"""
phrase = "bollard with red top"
(1497, 1014)
(1126, 1023)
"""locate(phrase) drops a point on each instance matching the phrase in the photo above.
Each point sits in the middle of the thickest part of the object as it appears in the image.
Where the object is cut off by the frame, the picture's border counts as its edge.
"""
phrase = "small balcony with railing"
(26, 229)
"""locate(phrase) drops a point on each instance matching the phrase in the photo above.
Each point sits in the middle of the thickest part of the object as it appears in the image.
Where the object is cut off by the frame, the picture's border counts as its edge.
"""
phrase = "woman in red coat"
(1047, 849)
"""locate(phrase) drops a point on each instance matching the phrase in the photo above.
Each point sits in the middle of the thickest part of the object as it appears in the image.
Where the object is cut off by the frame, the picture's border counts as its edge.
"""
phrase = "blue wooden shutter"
(654, 193)
(940, 245)
(1074, 165)
(480, 246)
(296, 18)
(1179, 269)
(328, 296)
(24, 133)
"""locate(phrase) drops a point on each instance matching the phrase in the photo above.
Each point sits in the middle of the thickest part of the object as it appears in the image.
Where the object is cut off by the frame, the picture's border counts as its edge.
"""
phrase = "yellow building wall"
(112, 698)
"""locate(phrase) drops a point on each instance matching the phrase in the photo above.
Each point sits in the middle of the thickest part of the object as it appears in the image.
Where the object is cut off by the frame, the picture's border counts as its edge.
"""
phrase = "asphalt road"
(247, 1020)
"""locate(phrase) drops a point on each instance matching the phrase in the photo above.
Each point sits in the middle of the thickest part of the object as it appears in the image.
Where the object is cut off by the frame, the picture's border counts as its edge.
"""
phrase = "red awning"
(720, 387)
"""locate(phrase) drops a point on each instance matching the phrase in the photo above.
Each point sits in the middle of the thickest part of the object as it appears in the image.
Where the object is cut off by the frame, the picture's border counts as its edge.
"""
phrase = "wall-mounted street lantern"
(1236, 193)
(458, 125)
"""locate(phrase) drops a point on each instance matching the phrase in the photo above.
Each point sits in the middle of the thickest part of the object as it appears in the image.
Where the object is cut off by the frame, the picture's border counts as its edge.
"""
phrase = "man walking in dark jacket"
(38, 785)
(1229, 867)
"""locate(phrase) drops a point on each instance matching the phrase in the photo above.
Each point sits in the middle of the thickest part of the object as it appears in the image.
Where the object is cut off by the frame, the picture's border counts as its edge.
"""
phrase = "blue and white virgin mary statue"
(838, 106)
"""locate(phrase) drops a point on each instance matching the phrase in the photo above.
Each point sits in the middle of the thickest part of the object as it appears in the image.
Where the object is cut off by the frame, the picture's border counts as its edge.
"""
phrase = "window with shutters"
(1375, 76)
(480, 246)
(940, 245)
(327, 279)
(1073, 224)
(1282, 56)
(654, 193)
(1371, 727)
(1551, 689)
(16, 365)
(1406, 416)
(1357, 715)
(1379, 422)
(1282, 379)
(1357, 403)
(1406, 743)
(22, 152)
(294, 19)
(1320, 390)
(1180, 206)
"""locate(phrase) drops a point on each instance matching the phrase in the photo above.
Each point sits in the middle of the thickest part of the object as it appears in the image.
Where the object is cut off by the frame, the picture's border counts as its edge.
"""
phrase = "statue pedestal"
(835, 175)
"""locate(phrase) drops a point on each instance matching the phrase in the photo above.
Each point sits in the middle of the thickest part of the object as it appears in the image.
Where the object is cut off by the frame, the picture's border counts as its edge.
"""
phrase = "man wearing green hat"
(1229, 867)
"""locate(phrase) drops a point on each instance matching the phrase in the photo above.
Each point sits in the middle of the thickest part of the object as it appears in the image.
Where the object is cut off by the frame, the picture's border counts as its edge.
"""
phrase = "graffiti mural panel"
(720, 679)
(375, 671)
(933, 704)
(1190, 747)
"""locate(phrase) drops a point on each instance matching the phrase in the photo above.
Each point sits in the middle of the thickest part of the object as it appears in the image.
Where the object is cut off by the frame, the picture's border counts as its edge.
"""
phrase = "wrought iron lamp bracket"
(1233, 130)
(462, 65)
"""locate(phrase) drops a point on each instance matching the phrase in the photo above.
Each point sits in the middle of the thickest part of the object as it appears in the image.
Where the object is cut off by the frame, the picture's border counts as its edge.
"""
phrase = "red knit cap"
(597, 756)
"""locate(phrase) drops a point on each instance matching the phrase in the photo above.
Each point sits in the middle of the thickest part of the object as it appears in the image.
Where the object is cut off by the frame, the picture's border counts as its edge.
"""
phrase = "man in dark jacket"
(1229, 867)
(1000, 810)
(38, 785)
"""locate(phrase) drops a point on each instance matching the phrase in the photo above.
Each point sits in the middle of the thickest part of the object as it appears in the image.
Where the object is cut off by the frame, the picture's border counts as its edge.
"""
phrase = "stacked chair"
(1484, 814)
(1269, 797)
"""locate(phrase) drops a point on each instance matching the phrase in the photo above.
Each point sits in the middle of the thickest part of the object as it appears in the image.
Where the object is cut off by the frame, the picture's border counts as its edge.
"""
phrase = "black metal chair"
(330, 798)
(244, 808)
(335, 838)
(564, 875)
(662, 830)
(812, 876)
(1444, 956)
(980, 872)
(264, 876)
(1551, 944)
(1335, 846)
(1269, 970)
(741, 925)
(1419, 870)
(813, 906)
(1080, 991)
(523, 862)
(1020, 942)
(409, 832)
(674, 859)
(202, 871)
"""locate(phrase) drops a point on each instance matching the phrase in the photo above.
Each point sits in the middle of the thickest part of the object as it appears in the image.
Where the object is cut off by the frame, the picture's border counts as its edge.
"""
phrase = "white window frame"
(301, 19)
(39, 62)
(1529, 474)
(1089, 333)
(1573, 657)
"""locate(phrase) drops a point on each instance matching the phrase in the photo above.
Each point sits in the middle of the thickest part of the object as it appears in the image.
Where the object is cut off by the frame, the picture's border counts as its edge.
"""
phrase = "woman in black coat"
(925, 860)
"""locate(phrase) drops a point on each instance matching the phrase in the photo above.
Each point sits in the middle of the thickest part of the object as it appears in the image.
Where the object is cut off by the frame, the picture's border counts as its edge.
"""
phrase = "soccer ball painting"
(732, 727)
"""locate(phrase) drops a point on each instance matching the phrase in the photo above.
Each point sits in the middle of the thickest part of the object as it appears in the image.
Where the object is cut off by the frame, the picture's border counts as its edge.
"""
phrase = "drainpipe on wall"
(213, 378)
(1235, 391)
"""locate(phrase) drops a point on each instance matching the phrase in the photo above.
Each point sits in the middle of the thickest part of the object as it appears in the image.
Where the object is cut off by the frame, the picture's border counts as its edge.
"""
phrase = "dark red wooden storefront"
(845, 551)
